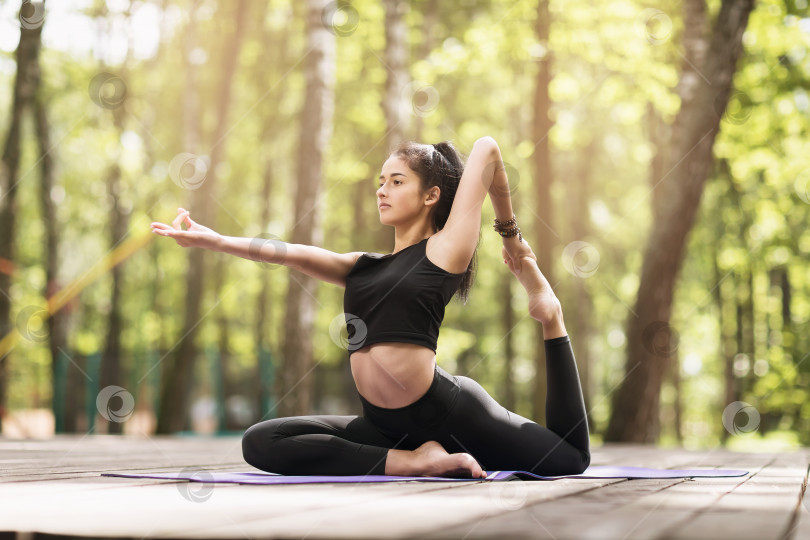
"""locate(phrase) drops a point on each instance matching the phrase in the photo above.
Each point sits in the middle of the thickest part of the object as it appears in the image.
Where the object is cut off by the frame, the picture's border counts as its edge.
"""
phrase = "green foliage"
(482, 62)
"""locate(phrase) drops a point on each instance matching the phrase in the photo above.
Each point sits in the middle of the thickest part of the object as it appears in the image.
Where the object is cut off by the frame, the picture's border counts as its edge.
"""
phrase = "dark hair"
(440, 165)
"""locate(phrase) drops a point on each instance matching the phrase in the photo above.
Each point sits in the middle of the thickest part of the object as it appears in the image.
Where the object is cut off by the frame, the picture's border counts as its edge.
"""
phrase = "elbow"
(488, 144)
(486, 141)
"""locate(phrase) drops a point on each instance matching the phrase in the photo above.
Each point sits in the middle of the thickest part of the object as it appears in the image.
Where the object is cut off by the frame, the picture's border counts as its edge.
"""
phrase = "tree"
(542, 168)
(176, 391)
(706, 88)
(316, 131)
(26, 83)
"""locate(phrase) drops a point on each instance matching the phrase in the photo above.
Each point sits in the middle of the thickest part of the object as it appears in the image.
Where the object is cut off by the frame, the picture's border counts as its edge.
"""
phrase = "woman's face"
(400, 189)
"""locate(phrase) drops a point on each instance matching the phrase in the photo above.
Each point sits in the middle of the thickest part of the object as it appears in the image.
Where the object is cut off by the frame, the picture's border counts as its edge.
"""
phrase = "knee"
(567, 461)
(250, 446)
(585, 461)
(256, 442)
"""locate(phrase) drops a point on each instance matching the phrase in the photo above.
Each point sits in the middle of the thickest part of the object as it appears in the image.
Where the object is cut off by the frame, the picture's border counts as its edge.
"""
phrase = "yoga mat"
(219, 477)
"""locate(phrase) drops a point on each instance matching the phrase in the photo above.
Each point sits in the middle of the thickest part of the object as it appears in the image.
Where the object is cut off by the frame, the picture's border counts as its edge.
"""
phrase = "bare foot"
(431, 459)
(543, 303)
(436, 461)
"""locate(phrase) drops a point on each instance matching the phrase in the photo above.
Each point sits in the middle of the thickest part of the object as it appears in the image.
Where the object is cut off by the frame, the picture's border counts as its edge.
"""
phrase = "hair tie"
(436, 151)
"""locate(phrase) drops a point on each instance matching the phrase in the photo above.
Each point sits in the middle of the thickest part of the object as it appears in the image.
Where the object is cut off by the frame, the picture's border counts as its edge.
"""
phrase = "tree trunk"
(316, 131)
(658, 135)
(542, 173)
(397, 111)
(582, 306)
(149, 381)
(177, 390)
(111, 370)
(651, 340)
(171, 415)
(25, 84)
(508, 323)
(57, 322)
(726, 343)
(431, 23)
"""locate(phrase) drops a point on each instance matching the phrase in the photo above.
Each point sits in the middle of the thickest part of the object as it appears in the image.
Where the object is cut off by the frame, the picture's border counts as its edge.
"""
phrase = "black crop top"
(399, 297)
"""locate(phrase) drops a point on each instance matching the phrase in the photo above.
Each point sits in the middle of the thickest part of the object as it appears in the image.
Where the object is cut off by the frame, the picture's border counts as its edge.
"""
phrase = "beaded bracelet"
(505, 224)
(508, 228)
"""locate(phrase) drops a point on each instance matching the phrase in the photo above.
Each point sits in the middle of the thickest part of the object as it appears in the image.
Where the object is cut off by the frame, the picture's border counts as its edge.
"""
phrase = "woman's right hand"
(195, 235)
(514, 251)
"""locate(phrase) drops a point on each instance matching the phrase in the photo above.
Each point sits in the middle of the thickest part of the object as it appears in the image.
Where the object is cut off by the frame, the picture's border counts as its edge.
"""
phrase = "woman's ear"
(433, 195)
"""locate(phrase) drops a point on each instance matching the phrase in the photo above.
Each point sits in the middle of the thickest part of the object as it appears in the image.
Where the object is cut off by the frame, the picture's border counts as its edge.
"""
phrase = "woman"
(419, 420)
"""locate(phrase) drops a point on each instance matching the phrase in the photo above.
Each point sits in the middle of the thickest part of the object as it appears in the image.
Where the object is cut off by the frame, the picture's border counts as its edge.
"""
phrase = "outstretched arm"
(311, 260)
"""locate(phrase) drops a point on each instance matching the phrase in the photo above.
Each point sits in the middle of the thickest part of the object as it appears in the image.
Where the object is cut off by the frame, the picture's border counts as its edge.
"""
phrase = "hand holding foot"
(514, 249)
(543, 303)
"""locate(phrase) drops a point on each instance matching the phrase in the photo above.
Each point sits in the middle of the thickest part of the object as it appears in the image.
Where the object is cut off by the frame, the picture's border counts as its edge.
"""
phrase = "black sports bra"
(399, 297)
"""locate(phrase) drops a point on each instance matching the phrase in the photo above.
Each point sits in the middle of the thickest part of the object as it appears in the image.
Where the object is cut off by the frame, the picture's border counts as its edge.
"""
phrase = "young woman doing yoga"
(419, 420)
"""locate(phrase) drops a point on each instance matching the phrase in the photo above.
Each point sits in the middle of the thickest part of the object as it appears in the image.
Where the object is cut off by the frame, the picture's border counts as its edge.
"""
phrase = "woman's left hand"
(514, 250)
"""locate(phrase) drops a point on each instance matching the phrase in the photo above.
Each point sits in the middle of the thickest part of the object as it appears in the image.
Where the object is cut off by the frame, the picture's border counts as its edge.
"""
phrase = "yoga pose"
(419, 420)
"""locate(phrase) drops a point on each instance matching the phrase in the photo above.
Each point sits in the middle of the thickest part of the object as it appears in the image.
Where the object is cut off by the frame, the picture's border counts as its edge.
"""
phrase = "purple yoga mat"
(219, 477)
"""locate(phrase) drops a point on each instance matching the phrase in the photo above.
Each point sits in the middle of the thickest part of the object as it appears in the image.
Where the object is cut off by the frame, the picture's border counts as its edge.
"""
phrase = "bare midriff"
(393, 375)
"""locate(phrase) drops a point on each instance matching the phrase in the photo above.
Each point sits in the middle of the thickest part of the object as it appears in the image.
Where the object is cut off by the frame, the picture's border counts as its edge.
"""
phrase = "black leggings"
(456, 411)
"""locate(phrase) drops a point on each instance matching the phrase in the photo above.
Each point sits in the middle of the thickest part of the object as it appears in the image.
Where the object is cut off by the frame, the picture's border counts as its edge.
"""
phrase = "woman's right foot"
(431, 459)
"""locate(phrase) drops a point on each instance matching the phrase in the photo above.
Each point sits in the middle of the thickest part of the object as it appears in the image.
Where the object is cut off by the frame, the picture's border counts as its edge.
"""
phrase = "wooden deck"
(53, 487)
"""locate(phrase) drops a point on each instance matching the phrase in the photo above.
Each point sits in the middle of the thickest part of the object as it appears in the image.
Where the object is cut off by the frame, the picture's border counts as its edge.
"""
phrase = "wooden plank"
(800, 527)
(53, 487)
(428, 515)
(631, 509)
(74, 457)
(171, 508)
(759, 508)
(438, 514)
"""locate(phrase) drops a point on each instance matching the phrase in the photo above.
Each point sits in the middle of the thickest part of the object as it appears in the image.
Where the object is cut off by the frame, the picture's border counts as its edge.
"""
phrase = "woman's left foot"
(543, 303)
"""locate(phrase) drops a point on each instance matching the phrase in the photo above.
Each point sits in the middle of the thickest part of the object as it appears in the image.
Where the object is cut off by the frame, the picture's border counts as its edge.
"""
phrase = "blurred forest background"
(657, 156)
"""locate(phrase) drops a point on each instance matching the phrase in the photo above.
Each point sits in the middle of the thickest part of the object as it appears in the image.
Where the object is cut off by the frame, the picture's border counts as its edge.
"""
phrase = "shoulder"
(352, 257)
(440, 250)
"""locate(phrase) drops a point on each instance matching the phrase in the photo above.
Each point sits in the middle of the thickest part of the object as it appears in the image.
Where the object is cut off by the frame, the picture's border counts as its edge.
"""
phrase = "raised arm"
(459, 237)
(483, 173)
(311, 260)
(513, 249)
